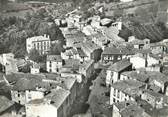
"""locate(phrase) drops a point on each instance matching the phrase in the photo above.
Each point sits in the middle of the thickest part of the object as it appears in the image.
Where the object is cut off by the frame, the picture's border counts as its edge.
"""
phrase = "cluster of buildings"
(138, 88)
(137, 85)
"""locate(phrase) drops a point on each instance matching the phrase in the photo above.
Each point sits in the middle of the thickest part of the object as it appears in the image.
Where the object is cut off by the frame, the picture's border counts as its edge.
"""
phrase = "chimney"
(48, 36)
(127, 104)
(45, 35)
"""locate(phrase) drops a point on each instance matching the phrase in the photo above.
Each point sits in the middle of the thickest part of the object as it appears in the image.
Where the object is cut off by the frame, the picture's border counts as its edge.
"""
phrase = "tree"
(34, 55)
(125, 33)
(25, 69)
(56, 48)
(163, 29)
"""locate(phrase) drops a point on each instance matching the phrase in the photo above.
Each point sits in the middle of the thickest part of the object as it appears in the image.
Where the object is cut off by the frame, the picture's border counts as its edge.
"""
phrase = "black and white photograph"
(83, 58)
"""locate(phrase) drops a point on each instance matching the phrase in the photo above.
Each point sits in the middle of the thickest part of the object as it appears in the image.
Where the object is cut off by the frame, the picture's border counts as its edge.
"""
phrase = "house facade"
(55, 104)
(23, 97)
(41, 43)
(125, 90)
(87, 69)
(114, 71)
(54, 63)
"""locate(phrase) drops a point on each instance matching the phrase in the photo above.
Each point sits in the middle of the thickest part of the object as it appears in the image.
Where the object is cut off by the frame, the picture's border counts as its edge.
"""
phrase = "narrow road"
(80, 105)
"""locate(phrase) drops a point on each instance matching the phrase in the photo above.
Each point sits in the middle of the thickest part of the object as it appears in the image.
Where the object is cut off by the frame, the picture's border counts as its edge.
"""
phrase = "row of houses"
(137, 86)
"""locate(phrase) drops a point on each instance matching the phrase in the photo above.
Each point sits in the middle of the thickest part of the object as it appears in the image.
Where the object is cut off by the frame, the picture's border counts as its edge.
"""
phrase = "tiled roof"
(26, 84)
(54, 58)
(124, 104)
(140, 76)
(72, 63)
(129, 109)
(130, 87)
(38, 38)
(81, 52)
(5, 103)
(154, 94)
(132, 111)
(111, 50)
(87, 64)
(116, 51)
(119, 66)
(58, 96)
(89, 46)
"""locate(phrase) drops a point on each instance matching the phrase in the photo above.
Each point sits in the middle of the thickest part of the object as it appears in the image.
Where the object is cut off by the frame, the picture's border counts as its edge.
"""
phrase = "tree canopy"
(14, 31)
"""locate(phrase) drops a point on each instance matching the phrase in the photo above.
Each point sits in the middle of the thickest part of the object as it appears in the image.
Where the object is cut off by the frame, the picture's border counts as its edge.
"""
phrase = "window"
(111, 58)
(114, 92)
(48, 45)
(118, 94)
(50, 64)
(119, 58)
(50, 70)
(45, 46)
(18, 95)
(29, 96)
(38, 46)
(105, 58)
(114, 100)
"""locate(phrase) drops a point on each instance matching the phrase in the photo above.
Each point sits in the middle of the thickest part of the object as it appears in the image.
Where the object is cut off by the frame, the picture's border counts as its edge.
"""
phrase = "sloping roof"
(81, 52)
(89, 46)
(140, 76)
(111, 50)
(26, 84)
(118, 51)
(154, 94)
(129, 109)
(87, 64)
(130, 87)
(58, 96)
(56, 58)
(124, 104)
(71, 52)
(132, 111)
(38, 38)
(119, 66)
(5, 103)
(69, 82)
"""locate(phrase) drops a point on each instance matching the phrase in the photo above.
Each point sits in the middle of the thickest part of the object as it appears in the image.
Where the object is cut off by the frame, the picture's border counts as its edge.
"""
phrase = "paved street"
(80, 105)
(99, 97)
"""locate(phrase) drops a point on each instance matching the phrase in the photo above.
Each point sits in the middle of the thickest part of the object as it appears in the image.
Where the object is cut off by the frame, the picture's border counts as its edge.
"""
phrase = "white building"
(55, 104)
(128, 109)
(114, 71)
(138, 61)
(125, 90)
(54, 63)
(40, 43)
(35, 69)
(126, 0)
(118, 25)
(26, 90)
(70, 54)
(8, 62)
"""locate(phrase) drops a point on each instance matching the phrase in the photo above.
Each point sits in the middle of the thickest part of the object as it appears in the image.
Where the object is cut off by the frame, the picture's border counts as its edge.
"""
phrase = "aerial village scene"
(83, 58)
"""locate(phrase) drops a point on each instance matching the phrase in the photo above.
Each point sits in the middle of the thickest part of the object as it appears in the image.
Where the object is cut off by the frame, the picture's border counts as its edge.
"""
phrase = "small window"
(114, 100)
(50, 64)
(29, 96)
